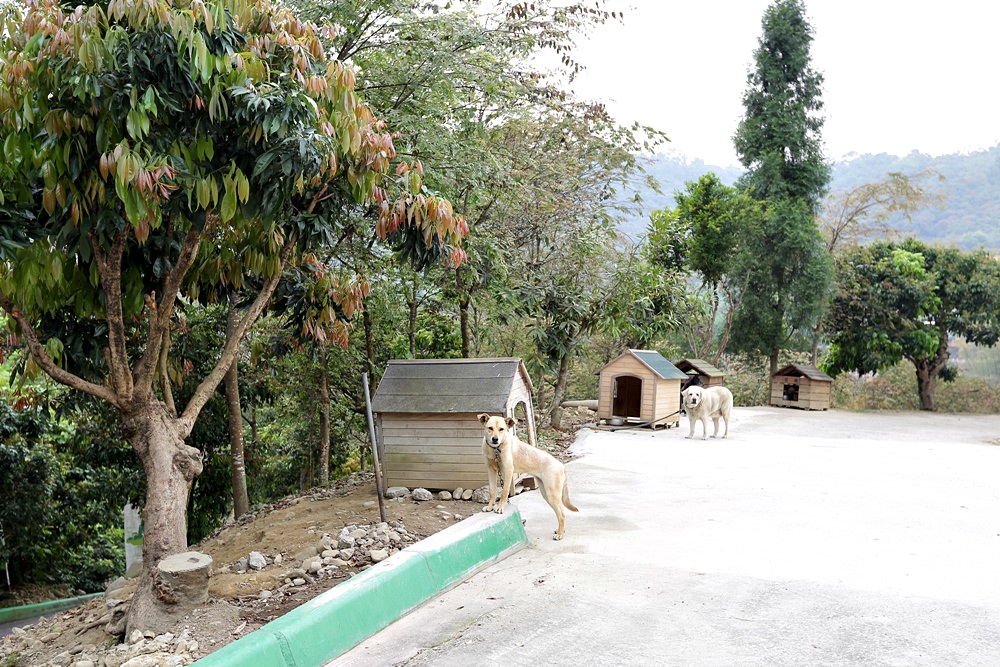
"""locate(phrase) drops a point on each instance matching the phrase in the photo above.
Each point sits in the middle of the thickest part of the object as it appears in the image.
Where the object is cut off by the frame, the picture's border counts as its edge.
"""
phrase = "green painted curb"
(331, 624)
(9, 614)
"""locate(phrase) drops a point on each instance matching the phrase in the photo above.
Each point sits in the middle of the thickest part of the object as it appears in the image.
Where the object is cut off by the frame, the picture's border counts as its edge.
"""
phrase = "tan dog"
(506, 456)
(703, 403)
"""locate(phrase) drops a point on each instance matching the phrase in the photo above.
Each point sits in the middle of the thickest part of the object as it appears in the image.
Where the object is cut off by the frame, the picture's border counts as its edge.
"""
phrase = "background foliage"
(558, 273)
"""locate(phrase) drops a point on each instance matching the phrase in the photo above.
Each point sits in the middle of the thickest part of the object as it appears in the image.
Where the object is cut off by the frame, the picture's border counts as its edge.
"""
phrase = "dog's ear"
(483, 418)
(511, 422)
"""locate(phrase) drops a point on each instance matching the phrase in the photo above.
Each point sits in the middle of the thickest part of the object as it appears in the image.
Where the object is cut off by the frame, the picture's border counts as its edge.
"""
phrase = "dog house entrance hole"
(790, 392)
(627, 396)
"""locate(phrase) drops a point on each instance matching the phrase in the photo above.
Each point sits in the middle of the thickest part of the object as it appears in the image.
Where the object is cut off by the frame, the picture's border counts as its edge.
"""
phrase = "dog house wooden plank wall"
(426, 417)
(801, 386)
(710, 375)
(640, 386)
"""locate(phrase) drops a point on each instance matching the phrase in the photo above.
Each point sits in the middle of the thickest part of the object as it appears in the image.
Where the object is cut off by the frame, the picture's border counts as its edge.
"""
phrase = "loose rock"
(256, 560)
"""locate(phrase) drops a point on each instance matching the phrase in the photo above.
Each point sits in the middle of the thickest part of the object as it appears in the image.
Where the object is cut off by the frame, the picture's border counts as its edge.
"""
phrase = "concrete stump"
(182, 579)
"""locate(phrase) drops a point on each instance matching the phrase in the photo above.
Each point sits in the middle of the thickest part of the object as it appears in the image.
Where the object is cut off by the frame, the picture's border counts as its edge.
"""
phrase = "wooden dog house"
(426, 418)
(640, 386)
(801, 386)
(709, 375)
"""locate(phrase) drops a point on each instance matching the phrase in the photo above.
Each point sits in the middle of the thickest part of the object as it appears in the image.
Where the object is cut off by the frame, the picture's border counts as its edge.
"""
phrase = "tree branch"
(47, 364)
(168, 394)
(110, 269)
(212, 380)
(164, 311)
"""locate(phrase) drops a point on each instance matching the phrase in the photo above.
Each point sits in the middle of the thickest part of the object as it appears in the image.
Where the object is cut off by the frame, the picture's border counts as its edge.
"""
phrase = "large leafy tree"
(472, 67)
(708, 234)
(869, 212)
(778, 142)
(905, 301)
(562, 247)
(155, 152)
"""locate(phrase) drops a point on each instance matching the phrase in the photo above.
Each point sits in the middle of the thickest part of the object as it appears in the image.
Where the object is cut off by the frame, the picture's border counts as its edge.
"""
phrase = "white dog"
(702, 403)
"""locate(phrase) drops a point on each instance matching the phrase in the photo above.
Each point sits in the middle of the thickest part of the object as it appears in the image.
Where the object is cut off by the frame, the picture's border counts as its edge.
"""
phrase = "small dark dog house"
(801, 386)
(426, 418)
(709, 375)
(640, 386)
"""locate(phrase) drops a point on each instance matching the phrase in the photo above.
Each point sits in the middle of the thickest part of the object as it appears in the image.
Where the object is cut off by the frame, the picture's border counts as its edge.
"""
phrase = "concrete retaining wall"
(330, 624)
(10, 614)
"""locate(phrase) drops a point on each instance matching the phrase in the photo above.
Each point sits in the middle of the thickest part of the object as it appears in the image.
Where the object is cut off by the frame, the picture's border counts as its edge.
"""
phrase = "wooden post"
(371, 434)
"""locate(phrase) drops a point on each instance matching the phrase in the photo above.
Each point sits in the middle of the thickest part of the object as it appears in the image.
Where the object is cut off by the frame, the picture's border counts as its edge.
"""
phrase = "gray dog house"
(426, 418)
(640, 386)
(709, 375)
(801, 386)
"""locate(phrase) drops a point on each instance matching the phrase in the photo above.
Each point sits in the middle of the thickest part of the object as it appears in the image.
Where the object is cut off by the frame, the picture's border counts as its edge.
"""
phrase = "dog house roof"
(803, 370)
(654, 361)
(451, 385)
(701, 366)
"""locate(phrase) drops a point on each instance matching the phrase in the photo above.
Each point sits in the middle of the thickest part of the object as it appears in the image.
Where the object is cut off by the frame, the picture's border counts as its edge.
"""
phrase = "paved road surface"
(5, 628)
(806, 538)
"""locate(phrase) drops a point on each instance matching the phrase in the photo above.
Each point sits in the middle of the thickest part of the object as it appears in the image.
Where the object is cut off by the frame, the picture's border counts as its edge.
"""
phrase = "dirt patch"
(235, 607)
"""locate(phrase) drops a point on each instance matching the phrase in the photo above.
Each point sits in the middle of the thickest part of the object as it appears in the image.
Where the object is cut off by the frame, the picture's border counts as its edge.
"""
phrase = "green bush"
(61, 513)
(896, 389)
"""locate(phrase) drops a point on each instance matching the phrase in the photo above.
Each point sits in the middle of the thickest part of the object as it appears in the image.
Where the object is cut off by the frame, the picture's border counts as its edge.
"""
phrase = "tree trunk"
(559, 392)
(732, 304)
(540, 396)
(182, 579)
(170, 467)
(241, 499)
(411, 324)
(463, 318)
(324, 423)
(464, 302)
(927, 372)
(366, 320)
(926, 387)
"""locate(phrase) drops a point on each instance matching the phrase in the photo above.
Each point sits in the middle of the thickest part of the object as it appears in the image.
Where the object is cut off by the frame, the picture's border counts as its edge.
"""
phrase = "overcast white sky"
(900, 75)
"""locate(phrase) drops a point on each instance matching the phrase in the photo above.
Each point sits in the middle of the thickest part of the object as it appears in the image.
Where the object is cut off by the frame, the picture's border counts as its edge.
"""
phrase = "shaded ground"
(235, 607)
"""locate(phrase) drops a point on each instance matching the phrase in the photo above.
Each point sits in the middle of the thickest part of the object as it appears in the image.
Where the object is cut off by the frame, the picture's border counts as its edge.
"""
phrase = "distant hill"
(969, 218)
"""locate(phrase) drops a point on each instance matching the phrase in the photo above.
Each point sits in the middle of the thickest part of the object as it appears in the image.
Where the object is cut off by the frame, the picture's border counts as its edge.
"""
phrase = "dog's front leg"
(493, 488)
(507, 475)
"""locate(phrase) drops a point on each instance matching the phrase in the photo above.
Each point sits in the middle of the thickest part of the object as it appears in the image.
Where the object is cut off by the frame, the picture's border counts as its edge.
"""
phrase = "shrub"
(896, 389)
(57, 509)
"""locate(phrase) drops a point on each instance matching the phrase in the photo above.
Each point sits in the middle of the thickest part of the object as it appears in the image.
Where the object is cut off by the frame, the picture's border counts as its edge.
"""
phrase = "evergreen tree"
(778, 142)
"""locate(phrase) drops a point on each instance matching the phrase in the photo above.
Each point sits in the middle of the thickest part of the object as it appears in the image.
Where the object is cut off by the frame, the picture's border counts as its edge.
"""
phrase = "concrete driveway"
(806, 538)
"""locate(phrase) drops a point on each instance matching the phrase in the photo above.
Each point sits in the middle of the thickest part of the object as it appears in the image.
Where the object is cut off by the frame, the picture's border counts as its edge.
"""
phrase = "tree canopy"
(160, 152)
(708, 234)
(779, 143)
(905, 300)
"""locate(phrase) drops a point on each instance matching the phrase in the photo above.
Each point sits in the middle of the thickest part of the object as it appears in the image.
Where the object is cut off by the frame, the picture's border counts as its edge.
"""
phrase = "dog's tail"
(566, 501)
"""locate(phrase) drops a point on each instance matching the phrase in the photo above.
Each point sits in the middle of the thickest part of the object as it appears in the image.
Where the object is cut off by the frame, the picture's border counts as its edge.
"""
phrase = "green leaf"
(229, 204)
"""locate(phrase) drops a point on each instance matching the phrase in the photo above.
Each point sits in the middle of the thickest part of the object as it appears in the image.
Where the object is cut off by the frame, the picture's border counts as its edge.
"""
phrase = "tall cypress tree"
(779, 143)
